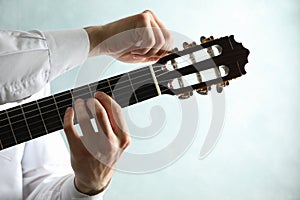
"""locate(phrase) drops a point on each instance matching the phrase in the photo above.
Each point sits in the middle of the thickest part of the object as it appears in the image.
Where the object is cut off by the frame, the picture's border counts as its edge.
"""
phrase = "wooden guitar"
(37, 118)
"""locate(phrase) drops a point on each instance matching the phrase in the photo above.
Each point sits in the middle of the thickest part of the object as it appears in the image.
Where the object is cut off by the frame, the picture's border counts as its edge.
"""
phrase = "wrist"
(87, 188)
(96, 36)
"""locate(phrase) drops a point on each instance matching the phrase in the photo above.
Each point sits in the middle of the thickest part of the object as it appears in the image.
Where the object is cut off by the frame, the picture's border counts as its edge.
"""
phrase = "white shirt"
(39, 169)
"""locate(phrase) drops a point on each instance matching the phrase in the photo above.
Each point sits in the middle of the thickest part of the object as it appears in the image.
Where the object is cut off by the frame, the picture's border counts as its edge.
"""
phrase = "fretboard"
(37, 118)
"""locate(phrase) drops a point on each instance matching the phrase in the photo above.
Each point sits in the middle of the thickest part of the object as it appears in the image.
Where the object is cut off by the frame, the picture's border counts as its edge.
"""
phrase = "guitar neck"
(34, 119)
(38, 118)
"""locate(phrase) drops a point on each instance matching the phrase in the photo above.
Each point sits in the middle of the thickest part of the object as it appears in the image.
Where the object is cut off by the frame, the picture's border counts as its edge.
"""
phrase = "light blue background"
(257, 156)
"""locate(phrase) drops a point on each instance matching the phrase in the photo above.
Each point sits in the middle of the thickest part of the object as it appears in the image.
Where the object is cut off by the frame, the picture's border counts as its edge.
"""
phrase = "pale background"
(257, 156)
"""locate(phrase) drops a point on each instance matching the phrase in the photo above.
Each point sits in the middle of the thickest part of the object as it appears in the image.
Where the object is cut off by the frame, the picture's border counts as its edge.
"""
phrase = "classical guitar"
(37, 118)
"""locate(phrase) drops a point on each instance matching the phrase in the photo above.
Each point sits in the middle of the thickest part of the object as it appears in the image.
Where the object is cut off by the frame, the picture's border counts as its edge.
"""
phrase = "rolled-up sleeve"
(29, 60)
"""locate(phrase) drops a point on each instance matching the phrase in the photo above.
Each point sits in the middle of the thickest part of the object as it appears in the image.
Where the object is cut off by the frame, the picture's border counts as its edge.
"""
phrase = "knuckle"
(150, 41)
(168, 37)
(144, 17)
(161, 42)
(126, 141)
(118, 109)
(99, 113)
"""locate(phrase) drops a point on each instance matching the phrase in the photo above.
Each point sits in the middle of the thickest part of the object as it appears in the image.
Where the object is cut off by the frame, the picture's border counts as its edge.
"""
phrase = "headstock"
(222, 58)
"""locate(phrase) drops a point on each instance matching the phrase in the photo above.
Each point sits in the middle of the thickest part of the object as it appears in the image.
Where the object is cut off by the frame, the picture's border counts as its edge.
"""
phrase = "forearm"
(30, 60)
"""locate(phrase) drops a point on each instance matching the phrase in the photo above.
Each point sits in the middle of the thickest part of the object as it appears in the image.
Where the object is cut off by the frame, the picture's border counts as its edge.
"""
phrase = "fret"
(103, 86)
(82, 92)
(132, 88)
(1, 144)
(63, 101)
(49, 114)
(6, 135)
(61, 121)
(39, 109)
(111, 89)
(34, 119)
(26, 122)
(122, 90)
(11, 128)
(17, 124)
(143, 84)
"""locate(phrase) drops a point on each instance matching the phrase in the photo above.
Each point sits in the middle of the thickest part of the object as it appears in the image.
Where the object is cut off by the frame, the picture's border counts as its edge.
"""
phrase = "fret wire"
(54, 122)
(26, 122)
(11, 126)
(112, 78)
(1, 144)
(132, 87)
(61, 121)
(61, 107)
(100, 88)
(64, 101)
(35, 128)
(91, 93)
(41, 116)
(158, 67)
(146, 97)
(95, 84)
(110, 88)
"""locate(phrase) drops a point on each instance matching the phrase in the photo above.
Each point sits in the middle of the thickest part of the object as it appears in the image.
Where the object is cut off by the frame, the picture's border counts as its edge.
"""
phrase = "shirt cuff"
(70, 192)
(67, 49)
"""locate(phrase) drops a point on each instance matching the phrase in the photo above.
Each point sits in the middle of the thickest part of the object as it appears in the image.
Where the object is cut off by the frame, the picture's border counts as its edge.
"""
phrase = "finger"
(158, 21)
(116, 117)
(102, 119)
(83, 118)
(166, 33)
(159, 40)
(148, 41)
(71, 133)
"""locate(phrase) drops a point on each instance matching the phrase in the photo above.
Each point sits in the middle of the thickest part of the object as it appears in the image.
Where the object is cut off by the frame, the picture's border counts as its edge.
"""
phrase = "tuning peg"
(202, 38)
(203, 91)
(185, 95)
(185, 45)
(219, 88)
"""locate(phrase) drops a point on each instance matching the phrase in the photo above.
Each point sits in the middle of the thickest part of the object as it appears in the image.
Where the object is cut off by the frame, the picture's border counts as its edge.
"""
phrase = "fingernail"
(137, 57)
(68, 109)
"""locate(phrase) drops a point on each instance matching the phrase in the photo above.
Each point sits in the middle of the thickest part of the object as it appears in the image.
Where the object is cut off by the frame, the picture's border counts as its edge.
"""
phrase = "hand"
(94, 154)
(139, 38)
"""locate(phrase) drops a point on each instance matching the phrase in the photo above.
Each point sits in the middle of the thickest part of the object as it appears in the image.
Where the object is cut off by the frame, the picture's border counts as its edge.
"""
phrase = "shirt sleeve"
(47, 173)
(30, 60)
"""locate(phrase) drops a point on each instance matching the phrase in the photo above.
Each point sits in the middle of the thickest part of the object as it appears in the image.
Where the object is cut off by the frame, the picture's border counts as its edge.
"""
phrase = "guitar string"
(61, 107)
(158, 67)
(6, 134)
(73, 97)
(120, 88)
(52, 122)
(96, 83)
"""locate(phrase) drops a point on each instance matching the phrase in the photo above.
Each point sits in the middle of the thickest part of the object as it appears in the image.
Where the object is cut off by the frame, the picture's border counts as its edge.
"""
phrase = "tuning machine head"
(187, 45)
(185, 95)
(204, 39)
